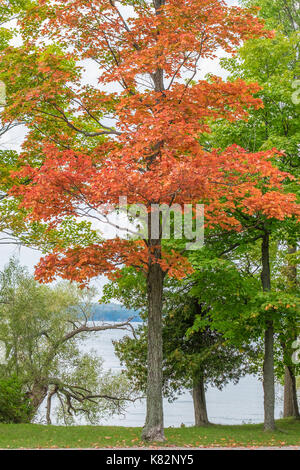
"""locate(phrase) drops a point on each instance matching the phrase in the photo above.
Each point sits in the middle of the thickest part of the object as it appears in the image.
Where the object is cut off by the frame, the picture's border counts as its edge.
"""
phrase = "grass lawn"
(38, 436)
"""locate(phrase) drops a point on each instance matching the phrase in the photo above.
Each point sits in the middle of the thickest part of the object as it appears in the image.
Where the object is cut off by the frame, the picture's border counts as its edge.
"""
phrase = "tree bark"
(154, 426)
(290, 405)
(49, 401)
(37, 395)
(269, 380)
(268, 367)
(199, 400)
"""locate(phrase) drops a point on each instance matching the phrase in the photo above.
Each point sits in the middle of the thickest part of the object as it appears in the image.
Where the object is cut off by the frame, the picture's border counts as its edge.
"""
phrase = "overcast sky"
(14, 139)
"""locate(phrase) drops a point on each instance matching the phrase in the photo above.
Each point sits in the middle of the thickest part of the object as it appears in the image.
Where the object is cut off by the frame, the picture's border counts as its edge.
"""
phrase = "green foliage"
(274, 64)
(239, 309)
(9, 10)
(15, 406)
(41, 328)
(132, 281)
(231, 284)
(203, 355)
(279, 14)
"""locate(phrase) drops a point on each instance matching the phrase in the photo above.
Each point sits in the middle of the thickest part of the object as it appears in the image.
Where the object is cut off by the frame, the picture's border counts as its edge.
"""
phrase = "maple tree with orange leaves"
(134, 134)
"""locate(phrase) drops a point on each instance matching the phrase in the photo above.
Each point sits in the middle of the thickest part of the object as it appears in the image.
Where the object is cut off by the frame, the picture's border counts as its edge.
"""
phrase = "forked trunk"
(154, 426)
(37, 395)
(268, 367)
(200, 410)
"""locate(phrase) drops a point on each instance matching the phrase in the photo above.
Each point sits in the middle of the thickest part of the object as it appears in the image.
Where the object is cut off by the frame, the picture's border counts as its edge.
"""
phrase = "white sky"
(14, 139)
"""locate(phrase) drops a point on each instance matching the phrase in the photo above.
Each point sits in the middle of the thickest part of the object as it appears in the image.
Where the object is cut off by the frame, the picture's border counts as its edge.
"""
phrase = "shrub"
(14, 405)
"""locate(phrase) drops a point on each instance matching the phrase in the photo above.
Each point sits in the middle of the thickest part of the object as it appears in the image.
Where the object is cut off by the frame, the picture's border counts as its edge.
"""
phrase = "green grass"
(251, 435)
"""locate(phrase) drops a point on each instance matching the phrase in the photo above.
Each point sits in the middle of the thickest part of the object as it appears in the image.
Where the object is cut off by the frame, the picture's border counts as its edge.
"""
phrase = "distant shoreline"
(114, 312)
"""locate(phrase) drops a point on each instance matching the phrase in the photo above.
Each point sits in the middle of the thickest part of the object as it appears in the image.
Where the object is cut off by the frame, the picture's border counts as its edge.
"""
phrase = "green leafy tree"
(240, 310)
(274, 64)
(41, 328)
(189, 361)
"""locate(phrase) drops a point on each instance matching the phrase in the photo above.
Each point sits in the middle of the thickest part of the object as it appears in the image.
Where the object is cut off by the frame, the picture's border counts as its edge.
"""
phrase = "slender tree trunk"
(269, 381)
(200, 410)
(49, 401)
(154, 426)
(290, 406)
(268, 367)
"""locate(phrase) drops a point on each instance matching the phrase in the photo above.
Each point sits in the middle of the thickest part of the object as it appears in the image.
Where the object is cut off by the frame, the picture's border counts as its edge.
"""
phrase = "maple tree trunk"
(290, 405)
(200, 410)
(268, 380)
(154, 426)
(268, 367)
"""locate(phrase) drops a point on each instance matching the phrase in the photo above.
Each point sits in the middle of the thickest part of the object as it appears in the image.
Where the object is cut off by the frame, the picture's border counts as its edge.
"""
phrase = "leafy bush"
(14, 405)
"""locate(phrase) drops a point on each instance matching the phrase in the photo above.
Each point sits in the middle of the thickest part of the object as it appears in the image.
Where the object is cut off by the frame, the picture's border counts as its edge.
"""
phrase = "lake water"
(235, 404)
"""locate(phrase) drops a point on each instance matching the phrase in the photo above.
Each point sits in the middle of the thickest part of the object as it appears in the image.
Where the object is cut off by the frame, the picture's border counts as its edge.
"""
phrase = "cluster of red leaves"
(80, 264)
(178, 34)
(67, 181)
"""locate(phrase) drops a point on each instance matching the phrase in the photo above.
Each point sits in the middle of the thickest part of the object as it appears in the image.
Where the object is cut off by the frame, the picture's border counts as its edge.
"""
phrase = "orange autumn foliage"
(152, 152)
